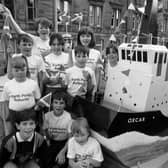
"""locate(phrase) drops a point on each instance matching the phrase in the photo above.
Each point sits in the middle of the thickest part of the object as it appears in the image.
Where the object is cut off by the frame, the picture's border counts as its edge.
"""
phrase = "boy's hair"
(17, 63)
(81, 49)
(57, 36)
(59, 95)
(79, 123)
(24, 38)
(25, 115)
(44, 22)
(86, 30)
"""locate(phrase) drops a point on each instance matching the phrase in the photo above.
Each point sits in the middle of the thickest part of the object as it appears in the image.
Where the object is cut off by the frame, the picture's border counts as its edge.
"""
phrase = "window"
(123, 54)
(134, 55)
(115, 17)
(165, 24)
(128, 55)
(165, 4)
(91, 15)
(139, 56)
(155, 61)
(145, 56)
(98, 16)
(95, 15)
(165, 58)
(31, 9)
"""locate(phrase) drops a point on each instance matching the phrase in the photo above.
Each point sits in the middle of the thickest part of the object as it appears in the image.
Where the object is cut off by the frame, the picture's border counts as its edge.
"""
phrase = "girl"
(83, 150)
(40, 43)
(86, 38)
(56, 62)
(20, 92)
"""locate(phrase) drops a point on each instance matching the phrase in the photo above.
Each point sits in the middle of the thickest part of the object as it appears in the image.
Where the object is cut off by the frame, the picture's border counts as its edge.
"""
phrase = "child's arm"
(13, 22)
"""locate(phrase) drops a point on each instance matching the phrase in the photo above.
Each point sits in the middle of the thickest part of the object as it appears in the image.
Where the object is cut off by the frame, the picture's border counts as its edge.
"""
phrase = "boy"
(81, 79)
(35, 63)
(40, 43)
(24, 148)
(57, 127)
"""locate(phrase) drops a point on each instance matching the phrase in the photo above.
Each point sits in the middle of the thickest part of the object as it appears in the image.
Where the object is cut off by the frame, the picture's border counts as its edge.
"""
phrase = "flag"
(112, 38)
(78, 17)
(131, 7)
(46, 100)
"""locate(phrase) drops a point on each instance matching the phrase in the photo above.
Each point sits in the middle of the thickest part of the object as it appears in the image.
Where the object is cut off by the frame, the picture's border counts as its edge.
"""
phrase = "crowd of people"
(33, 136)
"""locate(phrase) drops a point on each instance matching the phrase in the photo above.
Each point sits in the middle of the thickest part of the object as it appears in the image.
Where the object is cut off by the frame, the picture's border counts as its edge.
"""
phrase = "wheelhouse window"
(139, 56)
(155, 60)
(123, 54)
(128, 55)
(145, 56)
(165, 58)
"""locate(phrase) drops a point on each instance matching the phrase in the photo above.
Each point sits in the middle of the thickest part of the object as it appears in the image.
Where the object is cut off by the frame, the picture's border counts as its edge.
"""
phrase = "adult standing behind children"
(25, 148)
(57, 129)
(21, 92)
(40, 43)
(56, 63)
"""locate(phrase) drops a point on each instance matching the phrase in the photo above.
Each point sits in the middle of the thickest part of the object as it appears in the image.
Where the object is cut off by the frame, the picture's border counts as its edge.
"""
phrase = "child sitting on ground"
(24, 148)
(84, 151)
(57, 127)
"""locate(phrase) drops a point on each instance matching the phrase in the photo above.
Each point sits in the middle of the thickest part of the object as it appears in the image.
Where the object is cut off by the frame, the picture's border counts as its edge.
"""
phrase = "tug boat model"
(136, 92)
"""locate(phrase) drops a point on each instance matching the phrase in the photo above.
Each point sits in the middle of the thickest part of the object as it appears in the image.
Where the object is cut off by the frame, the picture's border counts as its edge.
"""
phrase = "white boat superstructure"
(139, 81)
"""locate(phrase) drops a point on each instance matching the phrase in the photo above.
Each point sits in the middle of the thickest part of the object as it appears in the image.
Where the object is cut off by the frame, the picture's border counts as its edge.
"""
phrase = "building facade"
(104, 16)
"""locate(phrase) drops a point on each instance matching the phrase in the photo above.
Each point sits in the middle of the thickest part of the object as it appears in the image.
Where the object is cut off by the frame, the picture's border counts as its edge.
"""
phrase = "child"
(24, 148)
(57, 126)
(35, 63)
(112, 54)
(3, 80)
(83, 150)
(40, 43)
(85, 37)
(57, 61)
(81, 79)
(21, 92)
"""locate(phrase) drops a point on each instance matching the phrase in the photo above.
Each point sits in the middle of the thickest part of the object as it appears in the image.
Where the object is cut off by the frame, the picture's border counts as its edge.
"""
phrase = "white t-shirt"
(55, 60)
(3, 80)
(91, 149)
(36, 65)
(21, 95)
(77, 84)
(39, 45)
(94, 57)
(58, 126)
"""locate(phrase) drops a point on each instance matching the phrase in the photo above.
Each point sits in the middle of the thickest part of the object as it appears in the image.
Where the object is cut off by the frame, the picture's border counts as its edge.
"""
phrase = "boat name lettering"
(136, 120)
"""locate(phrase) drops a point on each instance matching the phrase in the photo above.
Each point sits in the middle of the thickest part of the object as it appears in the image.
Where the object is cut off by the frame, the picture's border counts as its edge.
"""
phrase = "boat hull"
(103, 119)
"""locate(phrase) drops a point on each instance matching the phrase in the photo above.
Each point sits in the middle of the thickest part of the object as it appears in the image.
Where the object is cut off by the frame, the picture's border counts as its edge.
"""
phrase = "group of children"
(44, 66)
